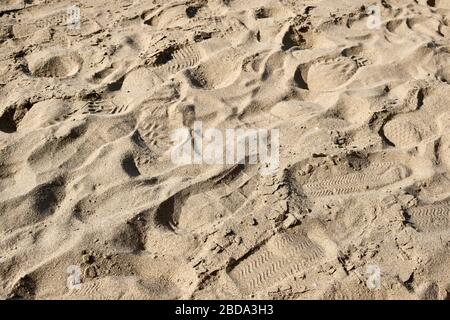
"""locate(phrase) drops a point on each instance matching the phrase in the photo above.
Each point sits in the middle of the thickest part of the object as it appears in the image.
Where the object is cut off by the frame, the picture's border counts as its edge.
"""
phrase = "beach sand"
(92, 205)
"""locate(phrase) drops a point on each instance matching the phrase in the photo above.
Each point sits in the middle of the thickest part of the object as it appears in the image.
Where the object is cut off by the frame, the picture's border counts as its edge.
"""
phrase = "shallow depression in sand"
(55, 65)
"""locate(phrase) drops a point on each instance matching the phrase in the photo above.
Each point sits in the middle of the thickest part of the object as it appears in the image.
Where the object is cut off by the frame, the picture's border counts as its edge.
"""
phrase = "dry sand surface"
(93, 207)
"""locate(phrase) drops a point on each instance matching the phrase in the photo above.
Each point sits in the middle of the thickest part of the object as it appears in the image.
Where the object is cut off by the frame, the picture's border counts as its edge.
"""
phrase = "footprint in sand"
(200, 206)
(219, 71)
(174, 59)
(329, 74)
(407, 130)
(285, 254)
(340, 178)
(171, 16)
(54, 64)
(430, 218)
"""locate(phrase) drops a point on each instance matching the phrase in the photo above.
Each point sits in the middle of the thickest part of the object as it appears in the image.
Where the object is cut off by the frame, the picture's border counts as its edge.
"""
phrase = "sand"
(93, 207)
